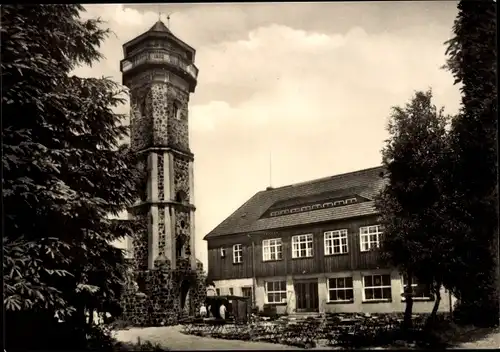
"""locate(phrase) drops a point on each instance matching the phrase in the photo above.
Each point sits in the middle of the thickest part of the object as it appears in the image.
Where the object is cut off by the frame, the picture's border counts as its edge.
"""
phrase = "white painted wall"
(396, 305)
(235, 284)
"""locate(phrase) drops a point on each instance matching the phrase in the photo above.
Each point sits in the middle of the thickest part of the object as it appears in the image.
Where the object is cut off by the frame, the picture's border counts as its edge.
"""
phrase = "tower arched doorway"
(184, 297)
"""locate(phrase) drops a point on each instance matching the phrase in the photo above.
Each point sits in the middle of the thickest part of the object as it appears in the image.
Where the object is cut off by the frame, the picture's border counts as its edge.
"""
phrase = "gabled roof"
(248, 218)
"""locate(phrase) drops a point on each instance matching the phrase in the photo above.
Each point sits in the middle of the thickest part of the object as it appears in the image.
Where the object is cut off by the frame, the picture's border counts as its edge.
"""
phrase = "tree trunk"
(436, 303)
(408, 293)
(432, 317)
(91, 322)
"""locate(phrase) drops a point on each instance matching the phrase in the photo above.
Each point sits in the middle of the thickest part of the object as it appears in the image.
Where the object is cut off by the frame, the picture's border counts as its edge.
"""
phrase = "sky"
(290, 92)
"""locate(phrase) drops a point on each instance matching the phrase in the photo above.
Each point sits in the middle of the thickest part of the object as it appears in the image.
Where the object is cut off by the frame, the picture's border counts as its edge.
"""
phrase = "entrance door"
(306, 296)
(183, 294)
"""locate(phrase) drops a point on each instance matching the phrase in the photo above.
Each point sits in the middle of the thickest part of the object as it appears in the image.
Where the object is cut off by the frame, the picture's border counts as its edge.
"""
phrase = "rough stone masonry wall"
(182, 227)
(161, 177)
(181, 177)
(140, 241)
(153, 120)
(162, 236)
(140, 119)
(169, 129)
(155, 300)
(178, 132)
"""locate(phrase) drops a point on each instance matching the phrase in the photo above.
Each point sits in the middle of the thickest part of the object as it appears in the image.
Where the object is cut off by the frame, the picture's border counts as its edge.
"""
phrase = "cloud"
(318, 100)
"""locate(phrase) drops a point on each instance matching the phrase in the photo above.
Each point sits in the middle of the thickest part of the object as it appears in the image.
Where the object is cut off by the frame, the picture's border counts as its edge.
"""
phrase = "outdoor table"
(206, 325)
(265, 330)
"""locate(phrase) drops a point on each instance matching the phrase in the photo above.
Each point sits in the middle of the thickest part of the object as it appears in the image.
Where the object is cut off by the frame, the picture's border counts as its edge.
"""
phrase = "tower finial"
(159, 13)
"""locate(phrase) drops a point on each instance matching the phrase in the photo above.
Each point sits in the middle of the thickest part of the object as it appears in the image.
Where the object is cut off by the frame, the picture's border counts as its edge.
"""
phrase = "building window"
(246, 292)
(276, 291)
(340, 289)
(272, 249)
(370, 237)
(338, 202)
(377, 287)
(336, 242)
(302, 246)
(350, 200)
(217, 290)
(420, 291)
(231, 291)
(237, 254)
(222, 252)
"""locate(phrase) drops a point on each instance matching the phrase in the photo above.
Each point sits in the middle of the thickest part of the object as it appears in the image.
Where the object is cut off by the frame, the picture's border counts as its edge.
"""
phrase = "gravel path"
(489, 341)
(172, 338)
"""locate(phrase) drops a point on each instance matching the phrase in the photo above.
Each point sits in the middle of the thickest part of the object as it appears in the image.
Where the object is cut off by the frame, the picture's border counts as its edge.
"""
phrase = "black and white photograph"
(250, 176)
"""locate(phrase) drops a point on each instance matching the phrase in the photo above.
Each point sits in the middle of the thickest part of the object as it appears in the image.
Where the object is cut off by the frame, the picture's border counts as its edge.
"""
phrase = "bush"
(139, 346)
(389, 337)
(119, 324)
(476, 313)
(269, 311)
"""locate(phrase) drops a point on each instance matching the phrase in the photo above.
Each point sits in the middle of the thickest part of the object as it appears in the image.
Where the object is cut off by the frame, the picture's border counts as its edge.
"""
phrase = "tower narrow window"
(181, 197)
(177, 110)
(179, 248)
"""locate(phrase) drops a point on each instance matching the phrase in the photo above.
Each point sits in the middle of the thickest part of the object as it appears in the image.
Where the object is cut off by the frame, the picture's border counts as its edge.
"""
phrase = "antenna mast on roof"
(270, 169)
(270, 146)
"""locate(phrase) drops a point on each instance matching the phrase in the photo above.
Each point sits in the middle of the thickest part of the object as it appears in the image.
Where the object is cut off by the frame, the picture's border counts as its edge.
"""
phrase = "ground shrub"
(139, 346)
(467, 313)
(119, 324)
(269, 311)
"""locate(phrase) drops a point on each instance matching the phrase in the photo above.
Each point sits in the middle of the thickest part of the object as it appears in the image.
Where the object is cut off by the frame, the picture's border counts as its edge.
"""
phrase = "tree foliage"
(439, 208)
(63, 170)
(410, 205)
(472, 59)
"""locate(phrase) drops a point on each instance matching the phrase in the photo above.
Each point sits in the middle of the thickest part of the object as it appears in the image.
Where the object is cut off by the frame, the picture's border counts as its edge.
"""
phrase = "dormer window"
(350, 201)
(177, 110)
(338, 202)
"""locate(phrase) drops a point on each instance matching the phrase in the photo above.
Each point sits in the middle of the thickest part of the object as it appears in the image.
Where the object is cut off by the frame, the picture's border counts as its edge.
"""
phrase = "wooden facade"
(223, 268)
(348, 281)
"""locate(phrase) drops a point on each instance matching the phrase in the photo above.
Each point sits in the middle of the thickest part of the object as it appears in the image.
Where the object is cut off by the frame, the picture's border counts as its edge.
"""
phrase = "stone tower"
(159, 71)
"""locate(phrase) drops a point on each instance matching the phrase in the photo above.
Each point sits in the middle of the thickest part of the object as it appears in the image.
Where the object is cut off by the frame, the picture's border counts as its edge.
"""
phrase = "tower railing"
(159, 57)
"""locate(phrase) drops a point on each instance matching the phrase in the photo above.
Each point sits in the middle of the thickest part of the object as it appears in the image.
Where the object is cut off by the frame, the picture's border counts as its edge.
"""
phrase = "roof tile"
(159, 26)
(365, 183)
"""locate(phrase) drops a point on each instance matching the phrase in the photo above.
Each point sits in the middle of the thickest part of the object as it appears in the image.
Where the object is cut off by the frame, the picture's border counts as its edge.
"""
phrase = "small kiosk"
(238, 307)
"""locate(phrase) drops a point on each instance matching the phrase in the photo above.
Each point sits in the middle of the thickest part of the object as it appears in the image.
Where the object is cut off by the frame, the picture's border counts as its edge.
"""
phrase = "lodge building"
(307, 247)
